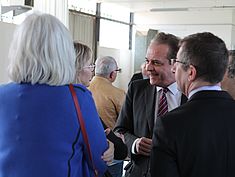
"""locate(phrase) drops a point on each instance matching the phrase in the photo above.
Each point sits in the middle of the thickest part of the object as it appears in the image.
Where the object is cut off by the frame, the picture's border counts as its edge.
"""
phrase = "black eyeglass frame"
(119, 70)
(173, 61)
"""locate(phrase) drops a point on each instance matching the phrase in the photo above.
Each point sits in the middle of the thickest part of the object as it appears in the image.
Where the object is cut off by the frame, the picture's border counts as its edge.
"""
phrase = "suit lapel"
(184, 99)
(149, 102)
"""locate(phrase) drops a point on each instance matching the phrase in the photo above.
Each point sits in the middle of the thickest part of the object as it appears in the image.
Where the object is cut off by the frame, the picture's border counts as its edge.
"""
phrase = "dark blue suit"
(196, 139)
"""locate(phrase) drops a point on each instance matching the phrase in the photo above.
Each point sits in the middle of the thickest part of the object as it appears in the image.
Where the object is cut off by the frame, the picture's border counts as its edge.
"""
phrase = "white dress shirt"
(213, 87)
(173, 97)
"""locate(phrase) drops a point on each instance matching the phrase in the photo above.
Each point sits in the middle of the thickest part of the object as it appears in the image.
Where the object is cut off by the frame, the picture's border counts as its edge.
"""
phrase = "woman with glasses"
(117, 148)
(84, 66)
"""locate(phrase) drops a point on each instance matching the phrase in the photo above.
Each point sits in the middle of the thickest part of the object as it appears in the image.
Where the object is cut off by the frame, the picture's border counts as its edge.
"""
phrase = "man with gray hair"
(228, 82)
(108, 98)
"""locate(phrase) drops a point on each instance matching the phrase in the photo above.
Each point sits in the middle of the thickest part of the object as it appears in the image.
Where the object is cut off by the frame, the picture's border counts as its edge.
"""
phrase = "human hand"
(108, 155)
(120, 136)
(107, 131)
(143, 146)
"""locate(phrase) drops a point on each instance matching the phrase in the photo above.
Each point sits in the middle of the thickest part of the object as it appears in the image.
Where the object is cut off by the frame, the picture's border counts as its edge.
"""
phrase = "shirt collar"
(172, 88)
(213, 87)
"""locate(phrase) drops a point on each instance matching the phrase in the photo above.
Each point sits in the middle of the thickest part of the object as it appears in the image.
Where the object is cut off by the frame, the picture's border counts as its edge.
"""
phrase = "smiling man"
(197, 139)
(146, 101)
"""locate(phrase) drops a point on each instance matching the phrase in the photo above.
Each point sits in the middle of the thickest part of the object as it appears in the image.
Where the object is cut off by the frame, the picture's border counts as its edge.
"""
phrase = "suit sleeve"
(120, 149)
(124, 122)
(163, 156)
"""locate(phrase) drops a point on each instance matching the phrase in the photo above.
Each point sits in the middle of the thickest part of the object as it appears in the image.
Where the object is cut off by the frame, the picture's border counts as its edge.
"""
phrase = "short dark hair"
(169, 39)
(207, 53)
(231, 64)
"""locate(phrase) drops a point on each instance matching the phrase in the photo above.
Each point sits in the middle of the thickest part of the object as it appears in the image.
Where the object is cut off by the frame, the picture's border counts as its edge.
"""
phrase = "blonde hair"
(83, 55)
(42, 52)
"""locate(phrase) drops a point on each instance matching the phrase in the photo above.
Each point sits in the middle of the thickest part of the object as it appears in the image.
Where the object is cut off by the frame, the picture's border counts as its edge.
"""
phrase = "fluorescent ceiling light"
(167, 9)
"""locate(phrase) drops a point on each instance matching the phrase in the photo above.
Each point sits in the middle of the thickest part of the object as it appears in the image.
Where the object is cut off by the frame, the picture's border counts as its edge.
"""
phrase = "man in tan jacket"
(108, 98)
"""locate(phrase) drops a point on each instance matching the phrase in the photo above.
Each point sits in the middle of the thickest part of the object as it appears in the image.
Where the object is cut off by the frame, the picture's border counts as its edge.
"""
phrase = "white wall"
(58, 8)
(220, 22)
(6, 34)
(124, 61)
(11, 2)
(233, 33)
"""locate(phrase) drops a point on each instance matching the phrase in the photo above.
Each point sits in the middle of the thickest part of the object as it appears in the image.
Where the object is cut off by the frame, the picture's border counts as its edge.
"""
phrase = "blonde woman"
(85, 68)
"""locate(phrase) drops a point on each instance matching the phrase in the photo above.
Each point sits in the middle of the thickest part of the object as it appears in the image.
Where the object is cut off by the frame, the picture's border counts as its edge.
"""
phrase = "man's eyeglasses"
(91, 67)
(173, 61)
(119, 70)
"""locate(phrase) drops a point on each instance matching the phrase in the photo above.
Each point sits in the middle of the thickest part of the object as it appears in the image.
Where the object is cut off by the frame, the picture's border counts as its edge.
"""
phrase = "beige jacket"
(108, 99)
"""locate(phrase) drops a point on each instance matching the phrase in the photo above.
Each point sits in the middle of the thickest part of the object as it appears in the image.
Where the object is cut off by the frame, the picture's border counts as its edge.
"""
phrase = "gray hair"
(231, 64)
(42, 52)
(105, 65)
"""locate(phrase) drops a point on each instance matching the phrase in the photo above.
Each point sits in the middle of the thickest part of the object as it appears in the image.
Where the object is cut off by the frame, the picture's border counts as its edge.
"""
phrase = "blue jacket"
(40, 135)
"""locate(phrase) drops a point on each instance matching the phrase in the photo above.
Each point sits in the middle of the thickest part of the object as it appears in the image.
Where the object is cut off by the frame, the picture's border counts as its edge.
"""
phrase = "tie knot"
(164, 90)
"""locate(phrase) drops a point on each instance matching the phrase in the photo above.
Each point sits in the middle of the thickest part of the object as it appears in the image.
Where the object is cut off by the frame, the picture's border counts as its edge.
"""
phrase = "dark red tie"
(162, 106)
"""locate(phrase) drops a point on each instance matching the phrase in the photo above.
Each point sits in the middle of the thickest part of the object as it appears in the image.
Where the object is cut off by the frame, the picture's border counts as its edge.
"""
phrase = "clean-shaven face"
(181, 75)
(158, 65)
(85, 75)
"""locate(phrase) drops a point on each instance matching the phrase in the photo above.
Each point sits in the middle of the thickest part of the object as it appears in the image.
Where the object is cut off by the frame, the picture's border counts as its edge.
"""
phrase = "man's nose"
(149, 67)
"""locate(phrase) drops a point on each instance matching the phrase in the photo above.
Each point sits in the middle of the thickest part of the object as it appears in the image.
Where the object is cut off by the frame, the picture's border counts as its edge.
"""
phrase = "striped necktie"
(162, 106)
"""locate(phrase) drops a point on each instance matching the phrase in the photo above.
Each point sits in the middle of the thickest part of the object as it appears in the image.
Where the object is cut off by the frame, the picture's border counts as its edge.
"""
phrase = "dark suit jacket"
(196, 139)
(120, 149)
(136, 76)
(136, 119)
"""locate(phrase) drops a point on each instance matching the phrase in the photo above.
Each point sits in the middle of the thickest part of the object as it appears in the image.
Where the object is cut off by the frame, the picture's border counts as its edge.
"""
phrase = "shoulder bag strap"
(82, 125)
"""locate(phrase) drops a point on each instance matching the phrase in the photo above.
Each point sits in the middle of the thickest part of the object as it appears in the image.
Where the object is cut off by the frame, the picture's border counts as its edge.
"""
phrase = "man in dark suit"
(141, 107)
(140, 75)
(197, 139)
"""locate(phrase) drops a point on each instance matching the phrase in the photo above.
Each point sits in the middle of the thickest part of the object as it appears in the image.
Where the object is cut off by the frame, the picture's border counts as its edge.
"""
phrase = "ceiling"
(139, 6)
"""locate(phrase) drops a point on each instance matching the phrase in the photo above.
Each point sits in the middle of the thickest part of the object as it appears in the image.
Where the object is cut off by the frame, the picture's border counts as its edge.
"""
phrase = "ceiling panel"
(171, 5)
